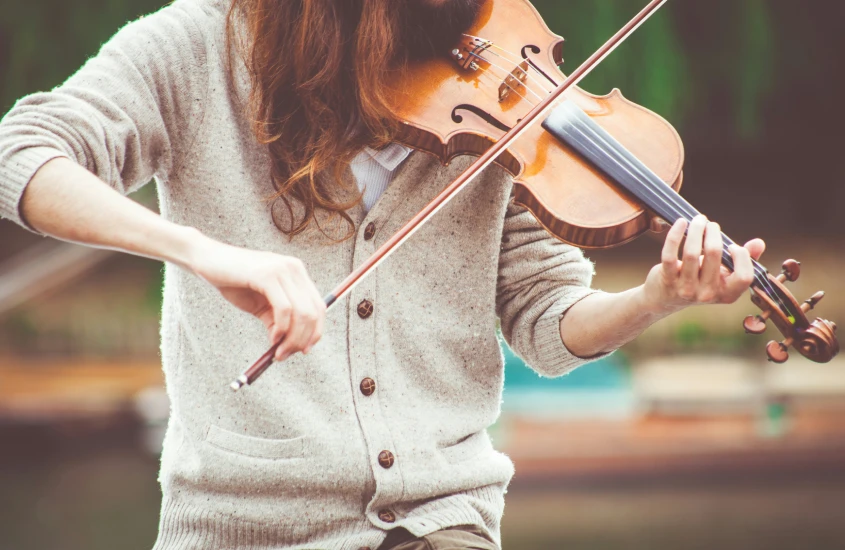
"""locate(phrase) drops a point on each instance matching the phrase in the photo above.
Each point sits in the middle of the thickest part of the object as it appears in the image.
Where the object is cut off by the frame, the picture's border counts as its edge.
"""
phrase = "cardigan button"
(369, 231)
(387, 516)
(368, 386)
(385, 459)
(365, 309)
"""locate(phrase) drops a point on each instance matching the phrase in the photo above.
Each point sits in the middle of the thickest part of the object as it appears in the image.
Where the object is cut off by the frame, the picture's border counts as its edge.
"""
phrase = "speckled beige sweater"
(292, 461)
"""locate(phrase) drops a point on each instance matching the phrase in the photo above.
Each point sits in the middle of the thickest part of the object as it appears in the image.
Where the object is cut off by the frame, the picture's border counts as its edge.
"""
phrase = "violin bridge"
(514, 81)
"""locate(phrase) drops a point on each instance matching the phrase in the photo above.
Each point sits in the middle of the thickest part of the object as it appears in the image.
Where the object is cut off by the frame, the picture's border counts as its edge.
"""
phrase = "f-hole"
(487, 117)
(535, 50)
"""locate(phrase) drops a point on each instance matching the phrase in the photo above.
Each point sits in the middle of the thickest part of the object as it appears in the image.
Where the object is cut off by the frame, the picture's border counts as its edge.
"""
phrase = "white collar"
(391, 156)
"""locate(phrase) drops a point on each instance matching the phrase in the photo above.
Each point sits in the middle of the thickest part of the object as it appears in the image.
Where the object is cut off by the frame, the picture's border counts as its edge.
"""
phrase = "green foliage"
(679, 64)
(649, 68)
(671, 71)
(42, 42)
(692, 336)
(758, 65)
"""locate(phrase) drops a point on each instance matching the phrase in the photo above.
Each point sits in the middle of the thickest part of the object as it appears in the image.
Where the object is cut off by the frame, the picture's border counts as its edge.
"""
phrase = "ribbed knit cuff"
(16, 173)
(557, 360)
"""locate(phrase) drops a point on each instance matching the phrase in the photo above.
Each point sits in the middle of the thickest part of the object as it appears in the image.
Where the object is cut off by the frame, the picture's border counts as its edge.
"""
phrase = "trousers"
(462, 537)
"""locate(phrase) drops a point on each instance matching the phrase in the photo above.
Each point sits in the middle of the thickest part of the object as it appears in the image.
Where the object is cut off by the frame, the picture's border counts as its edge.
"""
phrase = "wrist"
(186, 247)
(652, 306)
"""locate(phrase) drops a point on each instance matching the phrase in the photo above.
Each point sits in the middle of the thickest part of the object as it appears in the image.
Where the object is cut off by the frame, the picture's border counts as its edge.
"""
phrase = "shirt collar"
(391, 156)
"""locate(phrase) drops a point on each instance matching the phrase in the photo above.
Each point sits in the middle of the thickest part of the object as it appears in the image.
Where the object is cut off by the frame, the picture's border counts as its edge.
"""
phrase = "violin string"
(531, 65)
(669, 199)
(661, 190)
(515, 59)
(490, 44)
(509, 75)
(528, 75)
(672, 198)
(496, 84)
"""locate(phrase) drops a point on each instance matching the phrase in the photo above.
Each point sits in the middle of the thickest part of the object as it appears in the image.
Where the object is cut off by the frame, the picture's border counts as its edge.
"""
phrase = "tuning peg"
(778, 352)
(756, 324)
(790, 271)
(811, 302)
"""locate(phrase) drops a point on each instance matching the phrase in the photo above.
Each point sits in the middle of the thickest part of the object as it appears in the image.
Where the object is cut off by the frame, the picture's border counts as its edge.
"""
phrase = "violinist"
(265, 126)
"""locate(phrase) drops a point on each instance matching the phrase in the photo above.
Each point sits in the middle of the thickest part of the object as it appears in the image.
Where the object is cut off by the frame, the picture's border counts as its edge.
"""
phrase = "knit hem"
(452, 516)
(557, 358)
(16, 174)
(185, 527)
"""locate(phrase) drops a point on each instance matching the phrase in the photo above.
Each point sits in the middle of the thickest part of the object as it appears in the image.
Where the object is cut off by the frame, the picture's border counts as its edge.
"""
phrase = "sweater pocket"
(256, 447)
(467, 448)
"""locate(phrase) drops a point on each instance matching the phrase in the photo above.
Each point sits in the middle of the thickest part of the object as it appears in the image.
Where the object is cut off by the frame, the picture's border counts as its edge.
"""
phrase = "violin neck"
(573, 127)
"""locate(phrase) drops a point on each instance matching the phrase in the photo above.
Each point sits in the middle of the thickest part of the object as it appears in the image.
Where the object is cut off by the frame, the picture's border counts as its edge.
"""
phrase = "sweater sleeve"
(540, 278)
(127, 115)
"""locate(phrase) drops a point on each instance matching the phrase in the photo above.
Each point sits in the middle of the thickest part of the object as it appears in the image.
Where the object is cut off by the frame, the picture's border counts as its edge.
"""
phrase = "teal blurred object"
(601, 389)
(606, 373)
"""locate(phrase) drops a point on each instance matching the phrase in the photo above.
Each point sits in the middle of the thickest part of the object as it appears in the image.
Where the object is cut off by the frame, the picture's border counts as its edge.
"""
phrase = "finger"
(320, 306)
(743, 275)
(710, 267)
(303, 317)
(692, 254)
(756, 247)
(669, 255)
(317, 302)
(281, 310)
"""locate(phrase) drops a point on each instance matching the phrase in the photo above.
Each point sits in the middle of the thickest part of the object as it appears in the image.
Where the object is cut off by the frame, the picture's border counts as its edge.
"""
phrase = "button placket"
(362, 353)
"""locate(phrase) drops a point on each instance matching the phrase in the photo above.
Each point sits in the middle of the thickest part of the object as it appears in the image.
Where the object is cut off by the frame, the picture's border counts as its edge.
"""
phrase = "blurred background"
(687, 438)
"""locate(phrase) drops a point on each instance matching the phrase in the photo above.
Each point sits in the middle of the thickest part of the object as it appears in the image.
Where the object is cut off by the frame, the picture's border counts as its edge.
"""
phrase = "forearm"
(66, 201)
(603, 321)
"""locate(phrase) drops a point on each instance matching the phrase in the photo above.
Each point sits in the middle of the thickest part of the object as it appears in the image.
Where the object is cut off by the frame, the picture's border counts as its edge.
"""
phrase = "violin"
(597, 172)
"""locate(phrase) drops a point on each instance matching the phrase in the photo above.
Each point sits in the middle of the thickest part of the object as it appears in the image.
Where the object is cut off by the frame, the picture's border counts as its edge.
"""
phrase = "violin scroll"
(814, 340)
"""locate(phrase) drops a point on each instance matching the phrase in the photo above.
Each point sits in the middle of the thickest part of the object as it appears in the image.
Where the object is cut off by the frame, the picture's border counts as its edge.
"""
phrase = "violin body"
(598, 172)
(450, 109)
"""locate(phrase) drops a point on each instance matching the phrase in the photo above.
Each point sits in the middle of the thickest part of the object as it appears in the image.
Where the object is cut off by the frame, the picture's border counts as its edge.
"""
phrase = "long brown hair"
(318, 71)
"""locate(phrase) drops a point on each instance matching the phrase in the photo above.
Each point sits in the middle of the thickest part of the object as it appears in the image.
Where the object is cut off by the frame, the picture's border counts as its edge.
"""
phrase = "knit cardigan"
(293, 460)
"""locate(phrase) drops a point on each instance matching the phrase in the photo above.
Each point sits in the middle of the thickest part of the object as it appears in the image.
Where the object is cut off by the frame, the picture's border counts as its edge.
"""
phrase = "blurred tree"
(753, 86)
(42, 42)
(666, 65)
(661, 84)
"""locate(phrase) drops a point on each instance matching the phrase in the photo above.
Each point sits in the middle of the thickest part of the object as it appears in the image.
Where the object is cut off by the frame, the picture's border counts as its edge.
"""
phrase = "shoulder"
(195, 22)
(171, 46)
